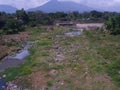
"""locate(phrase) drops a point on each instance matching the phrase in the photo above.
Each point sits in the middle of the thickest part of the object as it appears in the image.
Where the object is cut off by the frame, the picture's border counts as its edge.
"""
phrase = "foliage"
(12, 26)
(3, 19)
(14, 23)
(113, 25)
(22, 16)
(49, 84)
(108, 49)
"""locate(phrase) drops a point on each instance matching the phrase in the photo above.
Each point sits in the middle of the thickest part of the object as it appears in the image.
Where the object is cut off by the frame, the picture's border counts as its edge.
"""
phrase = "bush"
(113, 25)
(13, 26)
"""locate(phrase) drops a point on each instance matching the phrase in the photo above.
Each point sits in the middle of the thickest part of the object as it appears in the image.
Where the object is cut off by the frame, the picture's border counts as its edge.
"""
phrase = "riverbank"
(11, 43)
(82, 61)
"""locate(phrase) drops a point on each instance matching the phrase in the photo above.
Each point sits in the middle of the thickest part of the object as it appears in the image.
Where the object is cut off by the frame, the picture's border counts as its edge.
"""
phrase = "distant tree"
(96, 14)
(85, 15)
(1, 34)
(73, 15)
(39, 17)
(2, 23)
(3, 19)
(12, 26)
(22, 16)
(32, 18)
(113, 25)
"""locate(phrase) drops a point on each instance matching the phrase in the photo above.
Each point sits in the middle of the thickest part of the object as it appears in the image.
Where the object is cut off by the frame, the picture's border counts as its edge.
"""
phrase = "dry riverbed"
(64, 63)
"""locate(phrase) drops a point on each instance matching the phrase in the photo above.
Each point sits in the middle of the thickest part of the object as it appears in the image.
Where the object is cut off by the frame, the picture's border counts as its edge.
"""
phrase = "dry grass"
(75, 60)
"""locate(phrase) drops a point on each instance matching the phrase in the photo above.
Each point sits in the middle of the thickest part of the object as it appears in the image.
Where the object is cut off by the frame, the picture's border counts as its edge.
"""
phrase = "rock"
(59, 57)
(12, 86)
(4, 76)
(119, 72)
(53, 72)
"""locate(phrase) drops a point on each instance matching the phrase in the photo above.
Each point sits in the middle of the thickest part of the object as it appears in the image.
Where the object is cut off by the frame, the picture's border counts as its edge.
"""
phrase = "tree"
(3, 19)
(22, 16)
(12, 26)
(95, 14)
(113, 25)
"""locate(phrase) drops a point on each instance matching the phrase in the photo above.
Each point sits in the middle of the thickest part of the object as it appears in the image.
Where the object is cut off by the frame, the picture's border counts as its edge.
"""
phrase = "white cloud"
(96, 3)
(23, 3)
(117, 1)
(77, 1)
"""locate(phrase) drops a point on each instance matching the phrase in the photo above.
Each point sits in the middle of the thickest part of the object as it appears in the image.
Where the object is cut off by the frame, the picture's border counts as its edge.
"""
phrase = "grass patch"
(57, 67)
(13, 73)
(93, 52)
(108, 48)
(45, 54)
(44, 43)
(31, 63)
(49, 84)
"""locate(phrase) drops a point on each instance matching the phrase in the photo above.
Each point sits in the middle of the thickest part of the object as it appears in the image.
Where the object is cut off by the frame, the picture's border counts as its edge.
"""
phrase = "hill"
(7, 9)
(65, 6)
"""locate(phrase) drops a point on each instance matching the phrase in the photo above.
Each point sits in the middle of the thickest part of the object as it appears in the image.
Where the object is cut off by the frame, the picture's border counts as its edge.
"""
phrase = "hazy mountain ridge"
(61, 6)
(65, 6)
(7, 9)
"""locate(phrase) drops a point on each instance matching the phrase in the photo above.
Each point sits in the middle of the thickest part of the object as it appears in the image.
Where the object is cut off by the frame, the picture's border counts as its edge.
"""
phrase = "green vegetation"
(90, 61)
(12, 27)
(26, 68)
(17, 22)
(108, 49)
(49, 84)
(87, 61)
(113, 25)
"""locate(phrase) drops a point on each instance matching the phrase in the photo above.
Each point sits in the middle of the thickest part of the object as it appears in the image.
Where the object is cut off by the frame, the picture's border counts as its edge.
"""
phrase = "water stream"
(18, 58)
(73, 33)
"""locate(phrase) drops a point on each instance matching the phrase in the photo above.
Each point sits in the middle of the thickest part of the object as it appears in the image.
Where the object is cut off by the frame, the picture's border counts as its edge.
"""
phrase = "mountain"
(65, 6)
(114, 8)
(7, 9)
(109, 8)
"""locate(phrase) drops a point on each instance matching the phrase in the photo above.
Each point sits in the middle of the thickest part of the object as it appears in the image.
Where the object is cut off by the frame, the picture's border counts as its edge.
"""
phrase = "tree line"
(113, 24)
(16, 22)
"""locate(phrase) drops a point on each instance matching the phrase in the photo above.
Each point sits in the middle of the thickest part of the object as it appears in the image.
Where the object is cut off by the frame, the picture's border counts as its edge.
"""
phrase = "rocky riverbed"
(18, 58)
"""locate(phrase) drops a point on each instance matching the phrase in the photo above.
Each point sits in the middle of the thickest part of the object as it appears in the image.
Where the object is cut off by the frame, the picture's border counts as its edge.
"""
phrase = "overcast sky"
(34, 3)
